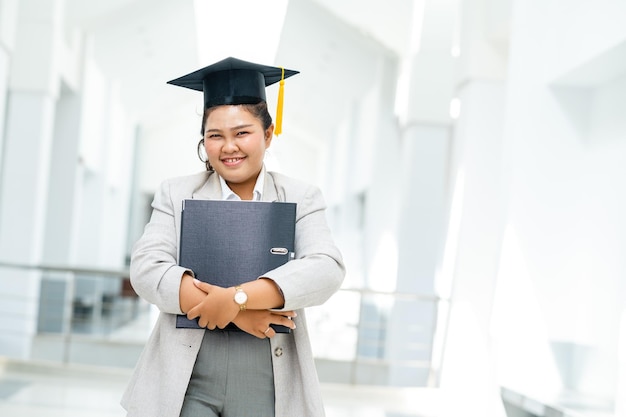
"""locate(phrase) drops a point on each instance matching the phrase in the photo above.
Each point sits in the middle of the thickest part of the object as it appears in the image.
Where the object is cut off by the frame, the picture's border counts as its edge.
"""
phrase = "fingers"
(204, 286)
(193, 313)
(269, 332)
(284, 318)
(202, 322)
(216, 309)
(289, 313)
(279, 319)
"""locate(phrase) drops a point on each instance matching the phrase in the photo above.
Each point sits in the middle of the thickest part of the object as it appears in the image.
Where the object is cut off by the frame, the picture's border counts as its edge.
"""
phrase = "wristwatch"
(240, 297)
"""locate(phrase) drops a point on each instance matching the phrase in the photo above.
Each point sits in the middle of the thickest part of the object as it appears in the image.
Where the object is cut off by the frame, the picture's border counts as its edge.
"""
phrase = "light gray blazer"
(157, 387)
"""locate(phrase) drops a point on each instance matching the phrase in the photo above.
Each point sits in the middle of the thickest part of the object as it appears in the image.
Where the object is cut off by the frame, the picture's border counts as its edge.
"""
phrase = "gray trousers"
(232, 377)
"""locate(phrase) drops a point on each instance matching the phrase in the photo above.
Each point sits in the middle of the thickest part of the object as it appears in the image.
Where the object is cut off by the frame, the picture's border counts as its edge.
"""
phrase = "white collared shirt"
(257, 193)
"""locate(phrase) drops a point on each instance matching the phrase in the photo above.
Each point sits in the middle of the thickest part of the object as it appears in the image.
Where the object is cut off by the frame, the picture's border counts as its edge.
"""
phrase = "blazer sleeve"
(318, 270)
(154, 271)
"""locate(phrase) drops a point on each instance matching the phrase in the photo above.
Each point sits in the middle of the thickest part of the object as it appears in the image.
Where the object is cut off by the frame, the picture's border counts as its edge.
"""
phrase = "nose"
(230, 145)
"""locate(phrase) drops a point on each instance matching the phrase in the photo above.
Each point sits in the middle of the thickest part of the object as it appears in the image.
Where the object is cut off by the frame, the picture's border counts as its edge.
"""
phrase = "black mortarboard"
(233, 81)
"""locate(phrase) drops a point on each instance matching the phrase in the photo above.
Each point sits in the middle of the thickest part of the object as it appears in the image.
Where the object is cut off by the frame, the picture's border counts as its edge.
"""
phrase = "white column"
(620, 392)
(8, 22)
(477, 206)
(428, 85)
(420, 238)
(63, 184)
(478, 140)
(33, 87)
(8, 17)
(468, 375)
(107, 135)
(4, 71)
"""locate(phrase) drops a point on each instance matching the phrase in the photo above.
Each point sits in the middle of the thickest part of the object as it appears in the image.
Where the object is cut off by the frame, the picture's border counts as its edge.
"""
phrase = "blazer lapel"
(210, 190)
(269, 189)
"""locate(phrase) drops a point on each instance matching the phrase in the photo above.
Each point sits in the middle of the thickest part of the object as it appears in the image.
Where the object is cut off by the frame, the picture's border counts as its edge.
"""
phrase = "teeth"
(232, 160)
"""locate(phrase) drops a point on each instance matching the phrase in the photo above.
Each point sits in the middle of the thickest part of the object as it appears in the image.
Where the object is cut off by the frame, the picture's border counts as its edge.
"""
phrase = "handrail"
(123, 273)
(405, 295)
(66, 268)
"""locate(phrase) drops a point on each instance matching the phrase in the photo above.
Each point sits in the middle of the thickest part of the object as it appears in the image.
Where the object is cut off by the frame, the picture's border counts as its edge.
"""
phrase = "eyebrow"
(244, 126)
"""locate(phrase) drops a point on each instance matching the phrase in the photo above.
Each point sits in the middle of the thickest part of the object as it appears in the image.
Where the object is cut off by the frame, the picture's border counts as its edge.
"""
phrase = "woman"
(220, 372)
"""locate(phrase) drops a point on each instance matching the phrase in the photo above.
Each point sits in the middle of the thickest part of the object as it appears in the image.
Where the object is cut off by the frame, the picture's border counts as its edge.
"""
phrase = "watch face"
(241, 297)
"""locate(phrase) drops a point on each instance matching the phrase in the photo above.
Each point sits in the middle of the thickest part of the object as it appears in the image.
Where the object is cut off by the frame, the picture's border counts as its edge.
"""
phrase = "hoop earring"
(204, 159)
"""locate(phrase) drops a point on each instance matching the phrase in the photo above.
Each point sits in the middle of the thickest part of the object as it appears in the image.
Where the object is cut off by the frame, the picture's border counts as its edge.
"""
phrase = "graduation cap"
(233, 81)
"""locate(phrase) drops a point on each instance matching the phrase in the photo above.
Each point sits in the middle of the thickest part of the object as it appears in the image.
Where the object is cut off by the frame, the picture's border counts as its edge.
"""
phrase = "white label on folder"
(279, 251)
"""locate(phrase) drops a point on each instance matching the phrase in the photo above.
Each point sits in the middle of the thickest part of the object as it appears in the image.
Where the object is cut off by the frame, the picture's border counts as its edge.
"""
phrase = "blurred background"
(472, 154)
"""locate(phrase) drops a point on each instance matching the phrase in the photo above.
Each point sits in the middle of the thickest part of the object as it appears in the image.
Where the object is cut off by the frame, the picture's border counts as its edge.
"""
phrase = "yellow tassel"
(279, 108)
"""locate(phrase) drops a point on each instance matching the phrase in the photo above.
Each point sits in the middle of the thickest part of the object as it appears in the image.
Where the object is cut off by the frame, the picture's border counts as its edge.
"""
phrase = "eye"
(213, 136)
(242, 133)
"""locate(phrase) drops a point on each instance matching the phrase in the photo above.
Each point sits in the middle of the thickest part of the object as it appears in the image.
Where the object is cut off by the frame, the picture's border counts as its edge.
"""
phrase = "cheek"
(210, 148)
(253, 146)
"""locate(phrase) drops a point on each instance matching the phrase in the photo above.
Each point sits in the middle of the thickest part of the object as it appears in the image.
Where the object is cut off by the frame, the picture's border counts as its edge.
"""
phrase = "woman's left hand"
(258, 322)
(217, 309)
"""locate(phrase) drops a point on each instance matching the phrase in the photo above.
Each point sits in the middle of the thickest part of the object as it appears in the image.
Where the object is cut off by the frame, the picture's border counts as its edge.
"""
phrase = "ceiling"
(336, 44)
(144, 43)
(141, 44)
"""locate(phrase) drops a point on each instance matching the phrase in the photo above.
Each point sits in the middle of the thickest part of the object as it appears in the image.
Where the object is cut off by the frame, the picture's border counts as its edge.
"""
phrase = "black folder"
(227, 243)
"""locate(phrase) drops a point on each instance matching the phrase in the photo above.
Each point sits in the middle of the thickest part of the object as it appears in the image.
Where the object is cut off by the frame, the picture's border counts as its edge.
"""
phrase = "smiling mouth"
(232, 160)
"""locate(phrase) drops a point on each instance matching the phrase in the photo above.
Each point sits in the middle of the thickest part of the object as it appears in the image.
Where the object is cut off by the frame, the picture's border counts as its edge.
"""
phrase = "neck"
(245, 191)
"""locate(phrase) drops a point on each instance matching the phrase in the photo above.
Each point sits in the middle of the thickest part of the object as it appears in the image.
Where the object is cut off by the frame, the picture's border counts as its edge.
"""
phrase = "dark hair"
(258, 110)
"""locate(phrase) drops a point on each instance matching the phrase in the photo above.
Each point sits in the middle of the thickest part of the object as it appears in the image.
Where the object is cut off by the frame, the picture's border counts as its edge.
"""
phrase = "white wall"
(565, 160)
(538, 271)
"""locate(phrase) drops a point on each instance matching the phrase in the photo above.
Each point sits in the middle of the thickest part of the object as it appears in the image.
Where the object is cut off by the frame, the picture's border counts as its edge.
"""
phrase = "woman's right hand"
(257, 322)
(190, 295)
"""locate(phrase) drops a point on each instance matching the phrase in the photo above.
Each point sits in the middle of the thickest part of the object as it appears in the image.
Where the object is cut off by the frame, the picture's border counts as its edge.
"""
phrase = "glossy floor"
(30, 389)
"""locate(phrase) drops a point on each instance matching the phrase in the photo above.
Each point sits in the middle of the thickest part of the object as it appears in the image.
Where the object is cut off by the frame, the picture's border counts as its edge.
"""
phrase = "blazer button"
(278, 352)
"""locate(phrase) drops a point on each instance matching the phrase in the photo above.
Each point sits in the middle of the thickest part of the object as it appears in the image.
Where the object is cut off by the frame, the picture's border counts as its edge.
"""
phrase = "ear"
(269, 134)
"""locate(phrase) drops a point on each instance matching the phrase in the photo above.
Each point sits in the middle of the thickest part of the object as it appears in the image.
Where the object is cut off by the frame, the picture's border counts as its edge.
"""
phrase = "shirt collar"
(257, 193)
